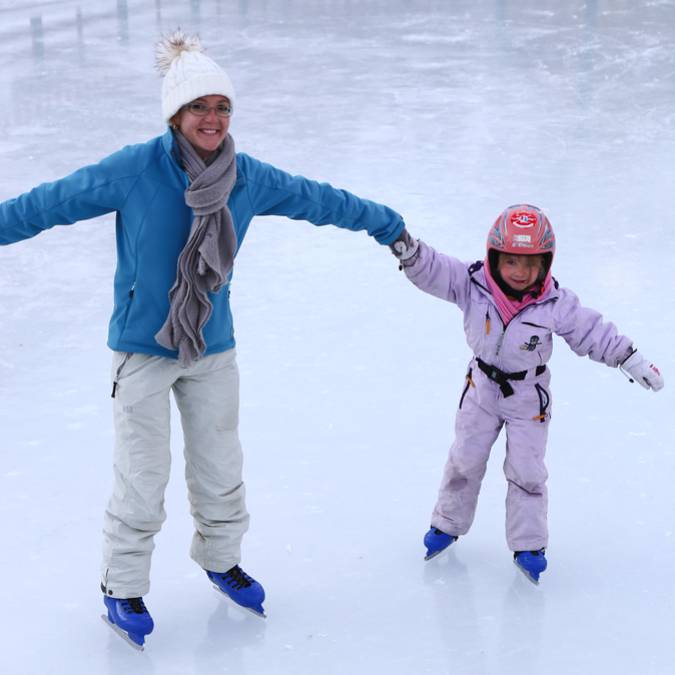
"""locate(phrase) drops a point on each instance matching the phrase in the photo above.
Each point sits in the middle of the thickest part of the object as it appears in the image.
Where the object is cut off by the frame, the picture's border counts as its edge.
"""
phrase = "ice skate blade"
(429, 556)
(122, 634)
(255, 612)
(527, 575)
(433, 555)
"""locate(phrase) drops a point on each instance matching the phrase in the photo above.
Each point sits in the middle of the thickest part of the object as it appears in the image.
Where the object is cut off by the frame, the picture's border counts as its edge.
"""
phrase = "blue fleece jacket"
(144, 184)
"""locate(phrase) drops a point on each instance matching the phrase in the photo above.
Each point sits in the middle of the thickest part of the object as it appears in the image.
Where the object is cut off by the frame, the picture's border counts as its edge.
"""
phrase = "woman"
(183, 204)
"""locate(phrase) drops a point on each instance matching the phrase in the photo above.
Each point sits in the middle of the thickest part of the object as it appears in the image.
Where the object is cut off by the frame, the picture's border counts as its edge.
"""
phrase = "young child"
(512, 306)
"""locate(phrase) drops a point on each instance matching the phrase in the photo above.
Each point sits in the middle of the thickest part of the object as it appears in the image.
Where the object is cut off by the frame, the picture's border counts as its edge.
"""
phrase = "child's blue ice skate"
(240, 587)
(436, 542)
(531, 563)
(129, 618)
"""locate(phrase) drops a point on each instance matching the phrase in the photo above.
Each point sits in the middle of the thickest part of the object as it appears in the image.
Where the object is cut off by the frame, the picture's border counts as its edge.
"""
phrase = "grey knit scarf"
(207, 258)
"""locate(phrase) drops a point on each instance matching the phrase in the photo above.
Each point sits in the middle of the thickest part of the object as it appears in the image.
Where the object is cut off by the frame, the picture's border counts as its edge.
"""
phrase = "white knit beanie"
(188, 73)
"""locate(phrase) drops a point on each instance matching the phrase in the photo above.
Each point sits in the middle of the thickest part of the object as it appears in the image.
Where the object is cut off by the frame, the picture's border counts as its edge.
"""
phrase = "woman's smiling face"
(207, 131)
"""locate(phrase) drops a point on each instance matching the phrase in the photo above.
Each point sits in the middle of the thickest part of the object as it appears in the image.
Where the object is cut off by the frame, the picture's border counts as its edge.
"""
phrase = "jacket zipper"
(500, 341)
(131, 292)
(487, 325)
(501, 337)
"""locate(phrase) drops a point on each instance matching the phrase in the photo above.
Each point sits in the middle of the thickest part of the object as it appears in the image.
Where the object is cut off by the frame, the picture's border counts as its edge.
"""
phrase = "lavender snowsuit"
(523, 347)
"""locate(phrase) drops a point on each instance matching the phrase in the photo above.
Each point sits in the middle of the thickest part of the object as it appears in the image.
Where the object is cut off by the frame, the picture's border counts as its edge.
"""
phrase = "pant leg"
(208, 400)
(525, 471)
(476, 430)
(142, 461)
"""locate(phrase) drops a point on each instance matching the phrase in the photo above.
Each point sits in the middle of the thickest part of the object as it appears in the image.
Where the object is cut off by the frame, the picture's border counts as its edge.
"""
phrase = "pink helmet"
(522, 229)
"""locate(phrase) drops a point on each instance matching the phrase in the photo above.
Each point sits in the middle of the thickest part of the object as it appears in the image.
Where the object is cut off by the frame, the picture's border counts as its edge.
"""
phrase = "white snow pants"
(207, 396)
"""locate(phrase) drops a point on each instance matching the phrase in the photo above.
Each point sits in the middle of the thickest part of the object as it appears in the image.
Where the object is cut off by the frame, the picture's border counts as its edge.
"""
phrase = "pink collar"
(507, 307)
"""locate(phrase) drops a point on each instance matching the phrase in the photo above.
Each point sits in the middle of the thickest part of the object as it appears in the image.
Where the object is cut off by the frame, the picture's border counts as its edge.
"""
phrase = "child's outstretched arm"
(433, 272)
(588, 334)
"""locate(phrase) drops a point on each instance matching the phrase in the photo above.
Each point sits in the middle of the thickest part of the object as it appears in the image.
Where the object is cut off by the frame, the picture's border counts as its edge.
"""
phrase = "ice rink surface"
(448, 112)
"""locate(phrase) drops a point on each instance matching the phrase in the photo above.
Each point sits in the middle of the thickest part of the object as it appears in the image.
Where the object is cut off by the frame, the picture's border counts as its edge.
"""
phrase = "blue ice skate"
(241, 588)
(129, 618)
(436, 542)
(531, 563)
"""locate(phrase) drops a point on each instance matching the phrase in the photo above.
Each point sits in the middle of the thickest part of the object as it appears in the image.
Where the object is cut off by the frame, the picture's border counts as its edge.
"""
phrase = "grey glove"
(637, 369)
(405, 248)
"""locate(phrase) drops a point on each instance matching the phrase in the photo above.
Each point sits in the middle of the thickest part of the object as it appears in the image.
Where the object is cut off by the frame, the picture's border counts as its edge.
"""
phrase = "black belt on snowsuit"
(502, 379)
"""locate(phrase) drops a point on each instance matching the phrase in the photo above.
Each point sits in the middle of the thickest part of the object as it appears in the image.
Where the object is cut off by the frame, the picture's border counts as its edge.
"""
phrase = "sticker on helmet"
(523, 219)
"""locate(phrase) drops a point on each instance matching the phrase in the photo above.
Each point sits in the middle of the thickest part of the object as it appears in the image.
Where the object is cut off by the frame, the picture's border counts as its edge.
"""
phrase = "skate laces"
(237, 578)
(136, 605)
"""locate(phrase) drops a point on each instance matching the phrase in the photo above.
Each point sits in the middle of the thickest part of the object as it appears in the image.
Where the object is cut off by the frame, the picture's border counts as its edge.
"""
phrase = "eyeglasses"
(202, 110)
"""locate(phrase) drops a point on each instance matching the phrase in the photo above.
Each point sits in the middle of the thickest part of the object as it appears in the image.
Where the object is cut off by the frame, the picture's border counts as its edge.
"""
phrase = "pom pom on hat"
(172, 46)
(188, 73)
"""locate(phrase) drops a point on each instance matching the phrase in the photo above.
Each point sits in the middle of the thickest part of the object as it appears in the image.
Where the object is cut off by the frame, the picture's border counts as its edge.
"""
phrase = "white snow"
(447, 112)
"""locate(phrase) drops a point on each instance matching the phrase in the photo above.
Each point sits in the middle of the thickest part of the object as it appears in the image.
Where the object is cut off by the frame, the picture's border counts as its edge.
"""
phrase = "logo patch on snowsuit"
(532, 344)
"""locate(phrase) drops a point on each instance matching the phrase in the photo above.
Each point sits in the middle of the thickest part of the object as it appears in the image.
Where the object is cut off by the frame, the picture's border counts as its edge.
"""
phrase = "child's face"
(519, 271)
